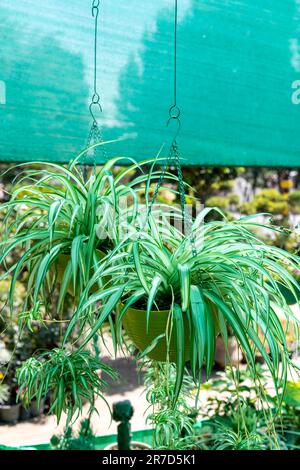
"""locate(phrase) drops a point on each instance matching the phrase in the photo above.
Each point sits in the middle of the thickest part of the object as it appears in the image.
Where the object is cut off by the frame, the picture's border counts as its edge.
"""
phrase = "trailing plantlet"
(172, 425)
(70, 377)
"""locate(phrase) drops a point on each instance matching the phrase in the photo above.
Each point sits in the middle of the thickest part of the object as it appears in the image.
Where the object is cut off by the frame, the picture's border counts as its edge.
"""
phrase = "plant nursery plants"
(241, 412)
(19, 343)
(175, 288)
(83, 440)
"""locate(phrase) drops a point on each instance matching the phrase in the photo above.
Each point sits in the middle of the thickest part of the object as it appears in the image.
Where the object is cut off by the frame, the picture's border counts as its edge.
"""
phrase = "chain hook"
(95, 8)
(95, 98)
(174, 110)
(94, 133)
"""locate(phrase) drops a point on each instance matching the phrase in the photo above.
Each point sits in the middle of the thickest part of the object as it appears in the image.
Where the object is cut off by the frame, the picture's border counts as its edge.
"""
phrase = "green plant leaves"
(198, 323)
(77, 256)
(203, 332)
(53, 211)
(53, 214)
(151, 298)
(236, 324)
(71, 377)
(138, 266)
(105, 311)
(184, 273)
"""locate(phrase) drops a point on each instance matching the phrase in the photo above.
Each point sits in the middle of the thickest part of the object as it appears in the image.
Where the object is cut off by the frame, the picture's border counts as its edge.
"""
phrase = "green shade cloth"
(238, 61)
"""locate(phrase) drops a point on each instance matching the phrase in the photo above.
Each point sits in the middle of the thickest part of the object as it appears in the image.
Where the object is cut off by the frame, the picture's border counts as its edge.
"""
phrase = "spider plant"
(230, 279)
(63, 225)
(70, 377)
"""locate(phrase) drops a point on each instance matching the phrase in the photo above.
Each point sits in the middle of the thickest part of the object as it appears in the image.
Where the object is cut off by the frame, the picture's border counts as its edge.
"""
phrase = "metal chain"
(174, 113)
(95, 135)
(159, 183)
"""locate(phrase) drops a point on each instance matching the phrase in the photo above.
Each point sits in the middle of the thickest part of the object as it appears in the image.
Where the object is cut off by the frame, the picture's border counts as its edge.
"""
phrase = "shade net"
(238, 72)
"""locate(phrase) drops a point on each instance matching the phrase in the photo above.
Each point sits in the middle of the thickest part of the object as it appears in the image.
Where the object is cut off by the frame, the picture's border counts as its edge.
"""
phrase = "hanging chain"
(95, 135)
(174, 154)
(174, 111)
(174, 115)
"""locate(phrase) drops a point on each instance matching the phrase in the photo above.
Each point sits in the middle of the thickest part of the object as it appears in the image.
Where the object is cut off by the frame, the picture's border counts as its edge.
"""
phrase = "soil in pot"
(135, 324)
(10, 413)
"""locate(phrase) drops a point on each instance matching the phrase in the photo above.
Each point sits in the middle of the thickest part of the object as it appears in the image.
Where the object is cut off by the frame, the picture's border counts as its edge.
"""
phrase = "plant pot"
(25, 414)
(10, 413)
(60, 267)
(34, 410)
(134, 445)
(134, 323)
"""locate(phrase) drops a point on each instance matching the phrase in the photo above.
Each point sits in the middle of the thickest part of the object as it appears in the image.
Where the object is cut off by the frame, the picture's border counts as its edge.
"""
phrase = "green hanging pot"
(60, 267)
(134, 323)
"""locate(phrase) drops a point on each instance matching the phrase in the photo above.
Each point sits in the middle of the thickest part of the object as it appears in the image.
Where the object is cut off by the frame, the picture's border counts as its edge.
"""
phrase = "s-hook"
(95, 136)
(95, 101)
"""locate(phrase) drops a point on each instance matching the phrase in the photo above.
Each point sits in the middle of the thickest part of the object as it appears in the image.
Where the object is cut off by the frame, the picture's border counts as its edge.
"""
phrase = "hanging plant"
(64, 226)
(172, 302)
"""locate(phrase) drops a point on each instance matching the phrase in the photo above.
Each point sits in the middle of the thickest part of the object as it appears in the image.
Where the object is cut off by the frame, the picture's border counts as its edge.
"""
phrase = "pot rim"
(6, 407)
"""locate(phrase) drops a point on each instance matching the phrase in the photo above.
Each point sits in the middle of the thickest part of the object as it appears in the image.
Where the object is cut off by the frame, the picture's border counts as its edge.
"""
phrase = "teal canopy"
(238, 79)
